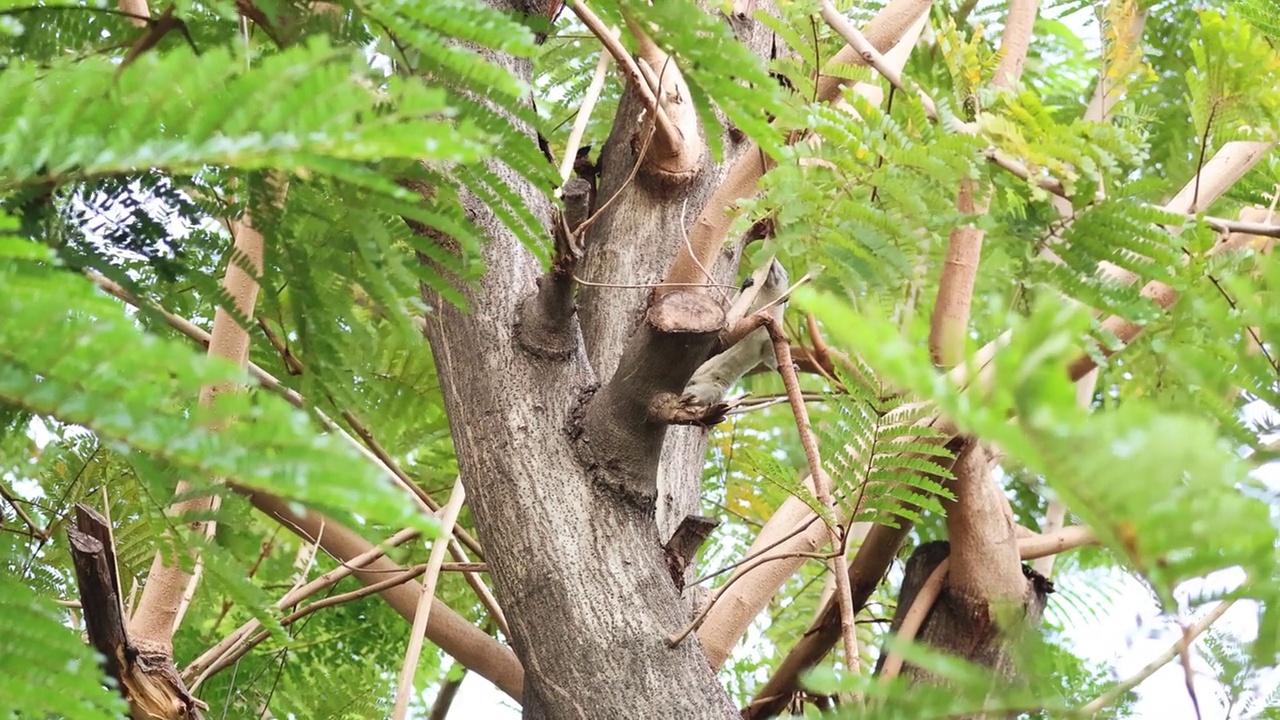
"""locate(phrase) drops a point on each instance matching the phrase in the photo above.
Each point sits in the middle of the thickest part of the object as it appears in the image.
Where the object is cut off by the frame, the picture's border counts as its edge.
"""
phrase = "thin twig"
(212, 659)
(679, 637)
(367, 446)
(670, 134)
(243, 648)
(822, 485)
(871, 56)
(10, 498)
(1180, 647)
(914, 619)
(584, 112)
(414, 651)
(798, 529)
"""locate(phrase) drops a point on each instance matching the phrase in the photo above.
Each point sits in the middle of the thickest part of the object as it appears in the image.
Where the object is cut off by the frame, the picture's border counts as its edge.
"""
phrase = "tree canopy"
(251, 255)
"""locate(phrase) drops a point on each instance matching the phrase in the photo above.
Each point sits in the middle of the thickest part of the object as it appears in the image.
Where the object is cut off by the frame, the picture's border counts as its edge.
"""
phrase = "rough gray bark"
(632, 243)
(559, 458)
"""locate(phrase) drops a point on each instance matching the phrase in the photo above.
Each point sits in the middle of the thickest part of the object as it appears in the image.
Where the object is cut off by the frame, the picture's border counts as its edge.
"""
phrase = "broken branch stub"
(618, 435)
(146, 676)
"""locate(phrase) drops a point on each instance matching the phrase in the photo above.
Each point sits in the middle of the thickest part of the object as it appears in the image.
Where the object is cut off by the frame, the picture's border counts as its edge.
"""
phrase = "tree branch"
(249, 643)
(466, 643)
(949, 324)
(161, 606)
(943, 577)
(871, 56)
(676, 336)
(1227, 166)
(425, 600)
(677, 143)
(374, 451)
(791, 535)
(822, 484)
(213, 659)
(712, 226)
(1178, 648)
(444, 698)
(580, 121)
(984, 555)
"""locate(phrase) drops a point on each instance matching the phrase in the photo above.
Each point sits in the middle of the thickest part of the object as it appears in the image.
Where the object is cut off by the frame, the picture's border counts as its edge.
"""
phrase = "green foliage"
(886, 458)
(47, 670)
(269, 446)
(93, 118)
(1231, 64)
(390, 111)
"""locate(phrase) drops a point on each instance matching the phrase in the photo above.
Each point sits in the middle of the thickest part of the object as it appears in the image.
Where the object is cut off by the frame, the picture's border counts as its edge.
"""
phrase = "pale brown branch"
(367, 446)
(241, 649)
(746, 566)
(1014, 43)
(710, 230)
(200, 669)
(1226, 167)
(425, 600)
(12, 500)
(984, 555)
(1054, 518)
(870, 56)
(667, 83)
(865, 572)
(161, 606)
(1178, 648)
(929, 593)
(791, 531)
(949, 324)
(452, 633)
(137, 11)
(670, 140)
(584, 114)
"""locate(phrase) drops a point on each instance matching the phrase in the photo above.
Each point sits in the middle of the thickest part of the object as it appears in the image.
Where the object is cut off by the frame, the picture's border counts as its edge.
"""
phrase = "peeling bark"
(966, 626)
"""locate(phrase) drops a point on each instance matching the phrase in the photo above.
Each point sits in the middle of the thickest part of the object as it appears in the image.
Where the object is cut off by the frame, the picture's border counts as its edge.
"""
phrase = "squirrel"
(710, 383)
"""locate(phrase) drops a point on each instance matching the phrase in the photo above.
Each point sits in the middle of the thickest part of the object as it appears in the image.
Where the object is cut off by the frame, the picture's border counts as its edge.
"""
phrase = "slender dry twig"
(203, 666)
(584, 113)
(417, 635)
(871, 56)
(1179, 648)
(243, 648)
(914, 619)
(368, 445)
(746, 565)
(12, 499)
(671, 136)
(797, 530)
(823, 486)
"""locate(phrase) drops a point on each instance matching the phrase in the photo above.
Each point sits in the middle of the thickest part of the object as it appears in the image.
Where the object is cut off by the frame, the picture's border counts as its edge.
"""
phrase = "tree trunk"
(566, 474)
(962, 625)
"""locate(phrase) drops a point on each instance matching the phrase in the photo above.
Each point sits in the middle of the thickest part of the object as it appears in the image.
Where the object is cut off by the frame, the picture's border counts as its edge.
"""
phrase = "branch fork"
(662, 89)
